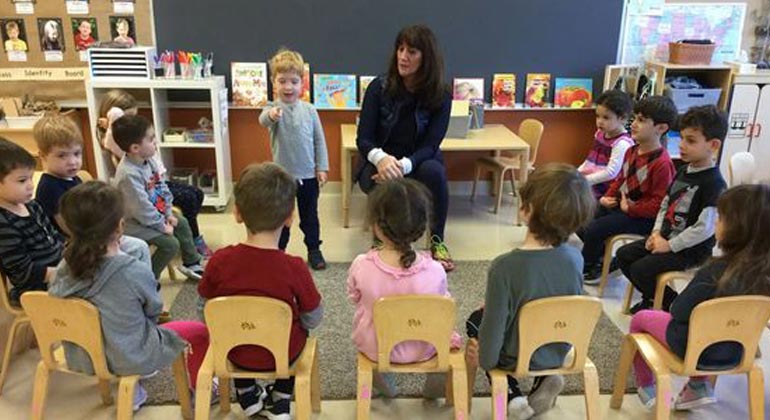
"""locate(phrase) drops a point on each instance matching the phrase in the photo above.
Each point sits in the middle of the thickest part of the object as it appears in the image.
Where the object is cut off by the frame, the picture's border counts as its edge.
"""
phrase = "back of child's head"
(287, 61)
(56, 130)
(130, 129)
(559, 201)
(401, 209)
(13, 156)
(264, 196)
(660, 109)
(620, 103)
(116, 98)
(744, 213)
(92, 213)
(708, 119)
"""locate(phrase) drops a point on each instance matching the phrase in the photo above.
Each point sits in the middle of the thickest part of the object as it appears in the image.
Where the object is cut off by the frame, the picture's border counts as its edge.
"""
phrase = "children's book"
(306, 84)
(249, 84)
(573, 93)
(363, 83)
(538, 88)
(504, 90)
(334, 90)
(469, 89)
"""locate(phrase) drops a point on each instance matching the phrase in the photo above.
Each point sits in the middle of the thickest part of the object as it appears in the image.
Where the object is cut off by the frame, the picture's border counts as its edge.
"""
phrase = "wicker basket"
(682, 53)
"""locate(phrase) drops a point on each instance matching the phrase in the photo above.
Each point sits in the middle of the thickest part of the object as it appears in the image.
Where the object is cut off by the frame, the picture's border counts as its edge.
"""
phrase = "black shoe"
(592, 274)
(252, 402)
(315, 260)
(276, 408)
(642, 305)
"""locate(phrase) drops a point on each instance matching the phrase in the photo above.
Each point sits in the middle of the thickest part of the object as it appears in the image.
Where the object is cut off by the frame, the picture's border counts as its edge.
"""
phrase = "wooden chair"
(738, 318)
(531, 131)
(741, 169)
(664, 279)
(609, 249)
(414, 317)
(19, 318)
(55, 320)
(562, 319)
(249, 320)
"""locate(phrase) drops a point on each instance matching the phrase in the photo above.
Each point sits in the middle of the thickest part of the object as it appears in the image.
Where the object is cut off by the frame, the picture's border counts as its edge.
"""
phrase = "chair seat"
(430, 365)
(502, 162)
(657, 355)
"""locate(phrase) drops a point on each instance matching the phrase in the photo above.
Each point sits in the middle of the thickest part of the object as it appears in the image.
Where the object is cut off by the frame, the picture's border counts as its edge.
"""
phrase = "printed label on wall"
(77, 7)
(42, 73)
(25, 8)
(123, 7)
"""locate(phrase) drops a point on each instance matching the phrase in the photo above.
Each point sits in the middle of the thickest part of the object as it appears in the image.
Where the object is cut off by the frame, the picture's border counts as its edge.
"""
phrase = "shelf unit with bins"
(156, 90)
(711, 75)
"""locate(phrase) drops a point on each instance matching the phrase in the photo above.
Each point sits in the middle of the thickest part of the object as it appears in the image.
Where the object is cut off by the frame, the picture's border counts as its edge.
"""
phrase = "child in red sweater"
(632, 201)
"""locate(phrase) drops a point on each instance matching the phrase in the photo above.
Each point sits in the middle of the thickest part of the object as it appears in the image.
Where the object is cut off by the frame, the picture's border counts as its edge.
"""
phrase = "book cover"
(469, 89)
(538, 88)
(306, 84)
(334, 90)
(249, 84)
(504, 90)
(363, 83)
(573, 93)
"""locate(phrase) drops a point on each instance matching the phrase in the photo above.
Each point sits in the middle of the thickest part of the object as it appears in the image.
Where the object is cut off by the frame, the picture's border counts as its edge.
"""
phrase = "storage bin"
(685, 99)
(174, 135)
(685, 53)
(199, 135)
(188, 176)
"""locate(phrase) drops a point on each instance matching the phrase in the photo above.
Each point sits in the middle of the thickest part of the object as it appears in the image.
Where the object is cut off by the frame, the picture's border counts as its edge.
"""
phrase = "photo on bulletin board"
(50, 30)
(14, 34)
(85, 32)
(123, 30)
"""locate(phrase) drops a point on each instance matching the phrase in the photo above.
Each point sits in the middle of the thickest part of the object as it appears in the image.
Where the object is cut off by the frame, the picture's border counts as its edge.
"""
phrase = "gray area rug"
(338, 355)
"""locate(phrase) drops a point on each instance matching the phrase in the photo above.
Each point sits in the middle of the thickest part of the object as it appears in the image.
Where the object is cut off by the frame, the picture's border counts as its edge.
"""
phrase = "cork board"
(100, 17)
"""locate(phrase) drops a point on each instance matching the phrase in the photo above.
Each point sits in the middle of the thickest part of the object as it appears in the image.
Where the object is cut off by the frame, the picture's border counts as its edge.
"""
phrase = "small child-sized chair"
(561, 319)
(664, 279)
(250, 320)
(414, 317)
(19, 319)
(609, 249)
(738, 318)
(55, 320)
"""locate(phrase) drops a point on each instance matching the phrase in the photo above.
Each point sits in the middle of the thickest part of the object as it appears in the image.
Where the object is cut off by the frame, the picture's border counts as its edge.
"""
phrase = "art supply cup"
(208, 64)
(186, 70)
(169, 70)
(197, 70)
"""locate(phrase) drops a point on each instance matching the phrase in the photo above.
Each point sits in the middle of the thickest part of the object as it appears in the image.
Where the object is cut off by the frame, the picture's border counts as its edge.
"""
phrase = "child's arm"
(614, 189)
(700, 231)
(496, 313)
(307, 297)
(661, 174)
(138, 202)
(21, 270)
(700, 289)
(456, 340)
(108, 141)
(267, 120)
(615, 164)
(146, 287)
(434, 135)
(354, 293)
(209, 282)
(319, 144)
(312, 319)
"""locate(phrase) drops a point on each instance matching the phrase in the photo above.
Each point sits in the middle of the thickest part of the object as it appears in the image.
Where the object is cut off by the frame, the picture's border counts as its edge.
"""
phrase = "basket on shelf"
(687, 53)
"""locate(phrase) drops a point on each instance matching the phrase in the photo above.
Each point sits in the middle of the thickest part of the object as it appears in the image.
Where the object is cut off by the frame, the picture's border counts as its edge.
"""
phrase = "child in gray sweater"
(555, 202)
(299, 146)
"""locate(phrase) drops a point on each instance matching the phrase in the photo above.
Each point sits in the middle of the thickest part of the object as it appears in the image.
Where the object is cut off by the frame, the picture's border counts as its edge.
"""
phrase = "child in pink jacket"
(398, 213)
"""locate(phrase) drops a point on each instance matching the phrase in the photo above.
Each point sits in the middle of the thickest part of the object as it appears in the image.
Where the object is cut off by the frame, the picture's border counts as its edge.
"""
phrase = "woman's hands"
(388, 168)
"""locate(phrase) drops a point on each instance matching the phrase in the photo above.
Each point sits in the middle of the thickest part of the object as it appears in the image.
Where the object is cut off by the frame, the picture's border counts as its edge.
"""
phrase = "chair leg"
(756, 393)
(591, 384)
(627, 298)
(183, 386)
(660, 290)
(302, 397)
(662, 397)
(315, 386)
(499, 396)
(627, 353)
(40, 391)
(224, 394)
(470, 372)
(172, 273)
(459, 385)
(499, 188)
(203, 395)
(475, 181)
(449, 392)
(17, 322)
(126, 397)
(605, 266)
(105, 391)
(363, 392)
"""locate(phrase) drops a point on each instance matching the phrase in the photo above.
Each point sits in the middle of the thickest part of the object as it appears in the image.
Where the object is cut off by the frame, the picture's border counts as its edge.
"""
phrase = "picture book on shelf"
(334, 90)
(504, 90)
(573, 93)
(306, 84)
(363, 83)
(469, 89)
(538, 88)
(249, 84)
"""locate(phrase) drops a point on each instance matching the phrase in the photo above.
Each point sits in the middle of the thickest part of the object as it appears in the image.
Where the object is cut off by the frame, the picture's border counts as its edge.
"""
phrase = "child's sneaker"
(696, 393)
(543, 397)
(251, 401)
(647, 396)
(202, 248)
(519, 408)
(140, 397)
(315, 259)
(440, 253)
(191, 271)
(385, 384)
(592, 274)
(277, 406)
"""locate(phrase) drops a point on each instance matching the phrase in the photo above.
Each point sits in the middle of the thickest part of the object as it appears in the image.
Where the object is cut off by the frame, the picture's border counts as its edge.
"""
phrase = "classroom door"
(760, 140)
(743, 108)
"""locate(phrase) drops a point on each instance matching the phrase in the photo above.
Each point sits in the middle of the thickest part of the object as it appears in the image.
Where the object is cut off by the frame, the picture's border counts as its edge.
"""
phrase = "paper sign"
(77, 7)
(54, 56)
(17, 56)
(47, 73)
(123, 7)
(460, 108)
(25, 8)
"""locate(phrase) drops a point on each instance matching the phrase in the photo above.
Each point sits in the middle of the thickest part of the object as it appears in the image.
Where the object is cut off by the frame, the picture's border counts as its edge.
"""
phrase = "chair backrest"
(736, 318)
(531, 131)
(561, 319)
(427, 318)
(242, 320)
(741, 169)
(5, 299)
(85, 176)
(56, 320)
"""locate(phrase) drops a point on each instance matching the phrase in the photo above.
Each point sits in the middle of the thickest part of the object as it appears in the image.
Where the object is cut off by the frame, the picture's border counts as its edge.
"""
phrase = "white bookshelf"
(157, 91)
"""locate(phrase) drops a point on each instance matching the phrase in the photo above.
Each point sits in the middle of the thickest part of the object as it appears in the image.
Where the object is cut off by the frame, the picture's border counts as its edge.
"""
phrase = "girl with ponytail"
(398, 213)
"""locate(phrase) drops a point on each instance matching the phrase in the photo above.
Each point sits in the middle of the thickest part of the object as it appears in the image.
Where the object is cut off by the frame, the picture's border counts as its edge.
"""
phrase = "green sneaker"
(440, 253)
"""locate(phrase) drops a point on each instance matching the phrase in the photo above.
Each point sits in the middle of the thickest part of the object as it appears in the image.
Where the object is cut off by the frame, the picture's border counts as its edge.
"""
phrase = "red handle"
(749, 130)
(759, 130)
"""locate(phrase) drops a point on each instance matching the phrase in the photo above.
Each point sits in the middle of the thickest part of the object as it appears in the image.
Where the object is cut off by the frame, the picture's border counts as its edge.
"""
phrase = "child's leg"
(472, 325)
(183, 233)
(655, 324)
(307, 203)
(197, 335)
(607, 224)
(643, 273)
(189, 199)
(285, 387)
(167, 247)
(136, 248)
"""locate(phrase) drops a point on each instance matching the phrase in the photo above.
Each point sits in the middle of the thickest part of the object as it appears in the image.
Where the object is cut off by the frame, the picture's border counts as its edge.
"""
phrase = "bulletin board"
(62, 80)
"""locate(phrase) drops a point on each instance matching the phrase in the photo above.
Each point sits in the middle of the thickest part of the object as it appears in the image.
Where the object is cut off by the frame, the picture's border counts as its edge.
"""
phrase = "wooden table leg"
(346, 186)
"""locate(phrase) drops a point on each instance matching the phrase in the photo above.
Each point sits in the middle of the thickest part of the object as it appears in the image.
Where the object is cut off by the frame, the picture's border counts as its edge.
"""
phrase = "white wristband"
(376, 155)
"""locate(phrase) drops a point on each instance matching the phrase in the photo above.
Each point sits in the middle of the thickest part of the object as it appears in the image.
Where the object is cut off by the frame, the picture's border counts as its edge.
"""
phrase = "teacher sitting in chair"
(404, 117)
